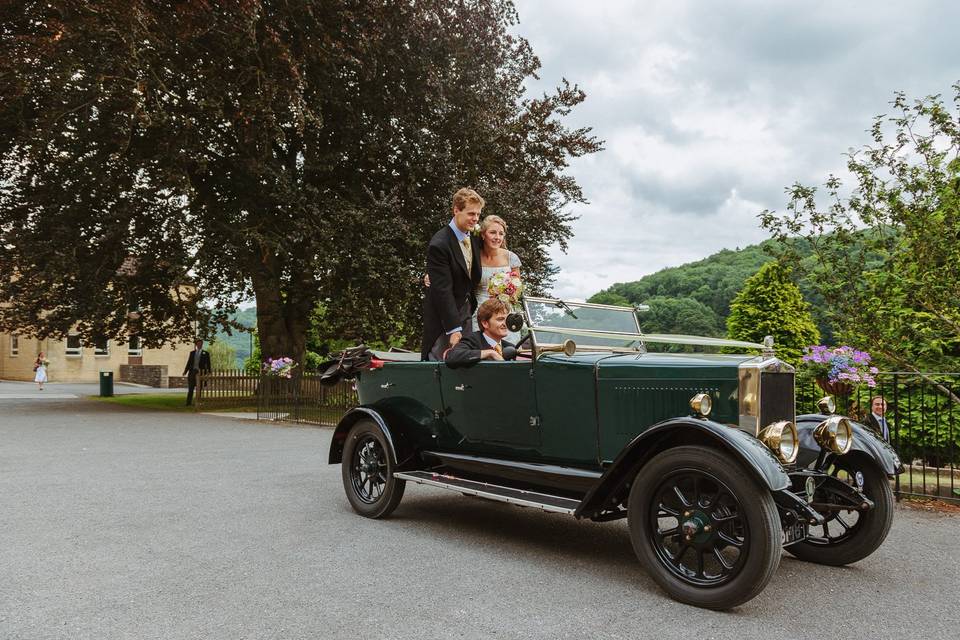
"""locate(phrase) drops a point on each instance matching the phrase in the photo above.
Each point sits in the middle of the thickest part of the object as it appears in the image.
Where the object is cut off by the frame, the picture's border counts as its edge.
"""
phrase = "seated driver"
(488, 343)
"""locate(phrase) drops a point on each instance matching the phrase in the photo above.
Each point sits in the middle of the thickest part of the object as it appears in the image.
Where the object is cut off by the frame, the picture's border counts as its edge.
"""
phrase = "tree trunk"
(282, 317)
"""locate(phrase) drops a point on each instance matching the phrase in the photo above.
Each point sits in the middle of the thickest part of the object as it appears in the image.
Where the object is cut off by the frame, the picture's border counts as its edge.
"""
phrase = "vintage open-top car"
(702, 453)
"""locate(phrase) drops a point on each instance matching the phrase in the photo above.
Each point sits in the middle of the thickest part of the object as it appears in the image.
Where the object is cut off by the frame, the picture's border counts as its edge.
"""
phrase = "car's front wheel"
(708, 533)
(367, 472)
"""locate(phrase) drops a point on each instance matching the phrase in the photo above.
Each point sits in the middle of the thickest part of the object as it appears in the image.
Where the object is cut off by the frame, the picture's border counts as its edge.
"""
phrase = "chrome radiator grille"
(777, 400)
(765, 393)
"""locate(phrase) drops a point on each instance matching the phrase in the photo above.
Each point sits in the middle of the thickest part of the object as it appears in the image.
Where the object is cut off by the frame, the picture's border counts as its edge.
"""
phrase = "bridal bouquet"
(279, 368)
(507, 286)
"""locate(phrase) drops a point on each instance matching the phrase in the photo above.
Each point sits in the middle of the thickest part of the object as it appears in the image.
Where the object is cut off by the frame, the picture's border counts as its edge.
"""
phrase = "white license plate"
(794, 533)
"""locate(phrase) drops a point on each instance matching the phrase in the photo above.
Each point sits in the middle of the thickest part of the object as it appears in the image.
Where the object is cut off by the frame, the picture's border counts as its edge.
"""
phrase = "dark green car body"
(579, 411)
(578, 431)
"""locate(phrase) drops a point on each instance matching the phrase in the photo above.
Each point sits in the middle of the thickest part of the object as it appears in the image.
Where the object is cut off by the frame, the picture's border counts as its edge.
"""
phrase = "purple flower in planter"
(840, 364)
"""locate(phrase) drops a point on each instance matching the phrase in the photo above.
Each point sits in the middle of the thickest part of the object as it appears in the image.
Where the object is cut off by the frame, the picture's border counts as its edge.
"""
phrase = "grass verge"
(163, 402)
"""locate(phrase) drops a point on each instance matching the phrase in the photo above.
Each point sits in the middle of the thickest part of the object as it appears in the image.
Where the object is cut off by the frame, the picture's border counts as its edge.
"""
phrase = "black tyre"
(708, 533)
(849, 536)
(367, 472)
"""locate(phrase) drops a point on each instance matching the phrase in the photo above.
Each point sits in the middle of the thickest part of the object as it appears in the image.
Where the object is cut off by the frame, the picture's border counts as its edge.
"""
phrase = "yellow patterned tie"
(498, 348)
(467, 254)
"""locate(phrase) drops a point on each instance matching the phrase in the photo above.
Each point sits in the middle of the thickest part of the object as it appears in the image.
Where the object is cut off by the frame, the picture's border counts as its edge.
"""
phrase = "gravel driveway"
(119, 523)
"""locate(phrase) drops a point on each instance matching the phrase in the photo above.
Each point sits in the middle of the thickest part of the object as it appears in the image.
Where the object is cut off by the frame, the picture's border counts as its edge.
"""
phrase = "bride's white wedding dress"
(482, 294)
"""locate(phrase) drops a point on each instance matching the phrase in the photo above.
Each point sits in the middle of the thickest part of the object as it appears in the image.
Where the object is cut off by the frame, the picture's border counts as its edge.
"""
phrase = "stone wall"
(177, 382)
(153, 375)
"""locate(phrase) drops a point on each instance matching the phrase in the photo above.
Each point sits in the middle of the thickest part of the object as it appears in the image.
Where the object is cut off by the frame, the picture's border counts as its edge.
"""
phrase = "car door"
(489, 405)
(409, 392)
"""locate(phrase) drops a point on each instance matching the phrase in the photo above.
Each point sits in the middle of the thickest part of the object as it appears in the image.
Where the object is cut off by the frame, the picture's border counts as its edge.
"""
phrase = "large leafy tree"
(770, 304)
(294, 151)
(886, 249)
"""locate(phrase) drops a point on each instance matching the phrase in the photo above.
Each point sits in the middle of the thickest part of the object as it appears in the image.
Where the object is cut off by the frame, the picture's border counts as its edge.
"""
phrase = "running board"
(547, 502)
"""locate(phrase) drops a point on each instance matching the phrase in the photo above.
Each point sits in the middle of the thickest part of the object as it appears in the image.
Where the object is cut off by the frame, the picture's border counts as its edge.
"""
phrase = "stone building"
(70, 361)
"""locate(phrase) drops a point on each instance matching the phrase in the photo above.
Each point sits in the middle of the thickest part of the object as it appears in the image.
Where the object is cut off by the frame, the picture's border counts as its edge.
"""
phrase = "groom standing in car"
(453, 264)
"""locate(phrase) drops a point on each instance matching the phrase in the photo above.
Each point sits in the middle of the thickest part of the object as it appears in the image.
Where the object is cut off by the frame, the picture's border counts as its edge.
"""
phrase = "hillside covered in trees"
(240, 341)
(695, 298)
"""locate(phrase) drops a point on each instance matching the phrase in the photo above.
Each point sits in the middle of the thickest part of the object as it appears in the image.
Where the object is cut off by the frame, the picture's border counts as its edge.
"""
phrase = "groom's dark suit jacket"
(450, 299)
(467, 352)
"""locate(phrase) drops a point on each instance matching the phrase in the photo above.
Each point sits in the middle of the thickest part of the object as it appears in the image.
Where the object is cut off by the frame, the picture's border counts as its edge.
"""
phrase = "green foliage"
(254, 361)
(712, 282)
(293, 152)
(771, 304)
(239, 338)
(885, 252)
(679, 316)
(609, 297)
(222, 356)
(312, 361)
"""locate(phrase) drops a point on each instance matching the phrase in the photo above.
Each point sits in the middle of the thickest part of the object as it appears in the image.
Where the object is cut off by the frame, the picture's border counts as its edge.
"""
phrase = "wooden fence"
(227, 389)
(298, 399)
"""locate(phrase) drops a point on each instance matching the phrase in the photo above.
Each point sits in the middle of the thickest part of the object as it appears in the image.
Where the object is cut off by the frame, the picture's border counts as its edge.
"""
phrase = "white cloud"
(710, 109)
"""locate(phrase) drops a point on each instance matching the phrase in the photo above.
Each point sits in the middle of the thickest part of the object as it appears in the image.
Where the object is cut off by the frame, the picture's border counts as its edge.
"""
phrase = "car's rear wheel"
(848, 536)
(708, 533)
(367, 472)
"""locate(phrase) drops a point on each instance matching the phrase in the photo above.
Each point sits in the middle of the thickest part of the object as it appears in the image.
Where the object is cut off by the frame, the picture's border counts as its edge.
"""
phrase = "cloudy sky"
(710, 109)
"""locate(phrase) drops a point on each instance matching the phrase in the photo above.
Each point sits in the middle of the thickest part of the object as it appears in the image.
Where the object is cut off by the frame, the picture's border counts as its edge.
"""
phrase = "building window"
(101, 347)
(74, 348)
(14, 345)
(133, 346)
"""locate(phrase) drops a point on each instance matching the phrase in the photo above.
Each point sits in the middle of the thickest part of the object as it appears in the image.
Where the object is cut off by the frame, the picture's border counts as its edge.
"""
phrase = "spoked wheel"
(367, 472)
(708, 533)
(846, 535)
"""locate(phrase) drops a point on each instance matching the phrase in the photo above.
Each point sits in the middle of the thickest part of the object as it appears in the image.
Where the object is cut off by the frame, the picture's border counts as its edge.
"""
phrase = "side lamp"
(701, 404)
(827, 405)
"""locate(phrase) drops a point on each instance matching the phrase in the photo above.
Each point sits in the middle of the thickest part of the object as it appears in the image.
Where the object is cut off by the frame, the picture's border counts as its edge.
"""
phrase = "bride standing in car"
(501, 267)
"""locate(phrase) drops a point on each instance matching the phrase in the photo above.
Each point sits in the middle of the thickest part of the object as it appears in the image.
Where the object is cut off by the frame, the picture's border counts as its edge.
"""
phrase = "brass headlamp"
(834, 434)
(781, 438)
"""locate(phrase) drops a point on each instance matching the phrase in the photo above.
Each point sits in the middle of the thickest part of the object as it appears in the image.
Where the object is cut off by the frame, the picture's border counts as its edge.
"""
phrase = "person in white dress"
(40, 366)
(495, 258)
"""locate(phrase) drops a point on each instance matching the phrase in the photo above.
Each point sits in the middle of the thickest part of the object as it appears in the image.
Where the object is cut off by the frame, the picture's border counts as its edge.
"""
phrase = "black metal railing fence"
(302, 399)
(923, 416)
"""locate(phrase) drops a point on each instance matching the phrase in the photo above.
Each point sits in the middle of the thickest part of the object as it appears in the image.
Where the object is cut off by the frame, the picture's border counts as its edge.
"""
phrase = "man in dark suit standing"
(877, 418)
(486, 344)
(453, 264)
(197, 362)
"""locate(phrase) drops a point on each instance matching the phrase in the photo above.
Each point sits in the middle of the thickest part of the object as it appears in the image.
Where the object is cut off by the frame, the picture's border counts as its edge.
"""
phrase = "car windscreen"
(553, 321)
